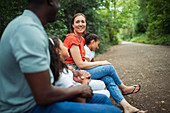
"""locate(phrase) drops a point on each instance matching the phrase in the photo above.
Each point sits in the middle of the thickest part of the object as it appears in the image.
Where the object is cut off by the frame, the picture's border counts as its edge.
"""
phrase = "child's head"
(60, 49)
(58, 53)
(92, 41)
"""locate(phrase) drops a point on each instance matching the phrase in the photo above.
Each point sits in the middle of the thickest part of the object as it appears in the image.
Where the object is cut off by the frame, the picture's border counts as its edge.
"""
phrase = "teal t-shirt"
(23, 49)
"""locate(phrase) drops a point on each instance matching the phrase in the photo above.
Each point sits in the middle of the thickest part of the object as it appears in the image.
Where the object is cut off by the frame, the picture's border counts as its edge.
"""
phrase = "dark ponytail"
(56, 64)
(90, 36)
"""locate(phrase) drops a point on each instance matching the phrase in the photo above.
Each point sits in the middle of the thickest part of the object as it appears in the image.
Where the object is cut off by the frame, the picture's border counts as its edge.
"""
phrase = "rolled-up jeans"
(109, 76)
(98, 104)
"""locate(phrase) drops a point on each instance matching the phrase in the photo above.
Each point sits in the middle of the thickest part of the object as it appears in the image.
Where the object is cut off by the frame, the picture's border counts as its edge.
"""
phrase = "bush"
(165, 40)
(143, 38)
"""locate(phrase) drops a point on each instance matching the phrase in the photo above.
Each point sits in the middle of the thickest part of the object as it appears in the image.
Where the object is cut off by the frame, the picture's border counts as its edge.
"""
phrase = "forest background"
(142, 21)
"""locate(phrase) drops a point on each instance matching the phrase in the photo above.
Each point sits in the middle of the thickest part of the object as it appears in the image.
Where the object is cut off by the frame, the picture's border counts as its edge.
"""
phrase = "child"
(92, 42)
(66, 76)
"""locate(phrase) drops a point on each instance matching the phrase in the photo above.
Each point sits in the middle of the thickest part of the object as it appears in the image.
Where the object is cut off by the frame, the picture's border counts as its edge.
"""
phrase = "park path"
(145, 64)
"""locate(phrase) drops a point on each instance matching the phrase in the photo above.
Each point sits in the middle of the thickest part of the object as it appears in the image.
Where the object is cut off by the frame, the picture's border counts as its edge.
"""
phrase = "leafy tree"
(159, 18)
(142, 20)
(9, 9)
(127, 16)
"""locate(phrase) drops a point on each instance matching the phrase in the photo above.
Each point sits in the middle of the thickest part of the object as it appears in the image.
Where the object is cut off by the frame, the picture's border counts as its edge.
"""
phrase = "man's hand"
(86, 91)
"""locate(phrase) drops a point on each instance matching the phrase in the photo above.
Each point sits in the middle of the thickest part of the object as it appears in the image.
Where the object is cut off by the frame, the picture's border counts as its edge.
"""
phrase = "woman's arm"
(75, 53)
(44, 93)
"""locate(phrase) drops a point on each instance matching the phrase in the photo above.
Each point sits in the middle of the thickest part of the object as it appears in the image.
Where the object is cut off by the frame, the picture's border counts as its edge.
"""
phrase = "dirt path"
(148, 65)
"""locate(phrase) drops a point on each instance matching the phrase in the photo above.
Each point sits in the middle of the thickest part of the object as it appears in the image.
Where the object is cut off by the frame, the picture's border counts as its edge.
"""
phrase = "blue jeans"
(99, 104)
(109, 76)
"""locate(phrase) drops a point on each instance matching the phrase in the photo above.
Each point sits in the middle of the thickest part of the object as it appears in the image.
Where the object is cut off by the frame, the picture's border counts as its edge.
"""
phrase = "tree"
(9, 9)
(158, 18)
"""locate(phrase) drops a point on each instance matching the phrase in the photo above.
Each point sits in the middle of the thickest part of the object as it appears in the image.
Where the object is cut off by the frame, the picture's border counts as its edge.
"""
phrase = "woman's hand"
(81, 76)
(105, 62)
(85, 74)
(87, 77)
(78, 76)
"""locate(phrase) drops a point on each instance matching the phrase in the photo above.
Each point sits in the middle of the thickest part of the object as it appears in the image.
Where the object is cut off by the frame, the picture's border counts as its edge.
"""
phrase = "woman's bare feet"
(131, 109)
(126, 90)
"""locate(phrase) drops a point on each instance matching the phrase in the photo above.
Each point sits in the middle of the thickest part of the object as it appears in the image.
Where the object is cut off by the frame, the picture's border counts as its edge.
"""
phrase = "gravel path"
(145, 64)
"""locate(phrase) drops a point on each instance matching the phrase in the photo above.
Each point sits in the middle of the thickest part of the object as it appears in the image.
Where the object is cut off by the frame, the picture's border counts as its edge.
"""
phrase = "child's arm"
(71, 68)
(87, 59)
(92, 60)
(77, 76)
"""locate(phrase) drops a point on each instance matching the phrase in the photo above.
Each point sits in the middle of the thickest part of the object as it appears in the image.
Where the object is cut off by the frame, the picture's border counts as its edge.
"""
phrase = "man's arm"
(44, 93)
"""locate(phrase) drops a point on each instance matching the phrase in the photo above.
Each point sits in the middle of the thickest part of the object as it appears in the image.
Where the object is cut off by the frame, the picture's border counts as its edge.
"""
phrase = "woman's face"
(79, 24)
(63, 52)
(95, 45)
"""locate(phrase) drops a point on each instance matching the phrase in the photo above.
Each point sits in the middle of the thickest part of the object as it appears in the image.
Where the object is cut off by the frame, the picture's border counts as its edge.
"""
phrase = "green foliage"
(143, 38)
(140, 22)
(58, 28)
(165, 40)
(126, 34)
(9, 9)
(159, 18)
(149, 18)
(109, 19)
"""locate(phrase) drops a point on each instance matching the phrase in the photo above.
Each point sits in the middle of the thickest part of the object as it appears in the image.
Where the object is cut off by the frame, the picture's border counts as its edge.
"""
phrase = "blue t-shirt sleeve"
(30, 48)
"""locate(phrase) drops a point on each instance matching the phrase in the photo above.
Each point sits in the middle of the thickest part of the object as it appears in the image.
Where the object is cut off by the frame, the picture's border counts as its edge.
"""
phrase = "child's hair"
(90, 36)
(56, 64)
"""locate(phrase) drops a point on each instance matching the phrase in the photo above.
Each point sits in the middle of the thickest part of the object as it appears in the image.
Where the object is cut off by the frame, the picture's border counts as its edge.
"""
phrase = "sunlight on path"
(124, 42)
(127, 43)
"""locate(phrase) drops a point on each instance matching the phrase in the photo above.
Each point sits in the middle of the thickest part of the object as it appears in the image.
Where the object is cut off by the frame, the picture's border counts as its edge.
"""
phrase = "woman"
(99, 69)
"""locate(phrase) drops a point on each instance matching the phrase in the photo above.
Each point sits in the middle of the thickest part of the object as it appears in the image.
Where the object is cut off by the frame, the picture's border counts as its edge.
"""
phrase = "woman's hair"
(72, 22)
(90, 36)
(56, 64)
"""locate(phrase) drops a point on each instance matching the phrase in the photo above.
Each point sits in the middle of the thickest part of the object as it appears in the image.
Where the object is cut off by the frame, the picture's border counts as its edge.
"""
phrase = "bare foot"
(131, 89)
(131, 109)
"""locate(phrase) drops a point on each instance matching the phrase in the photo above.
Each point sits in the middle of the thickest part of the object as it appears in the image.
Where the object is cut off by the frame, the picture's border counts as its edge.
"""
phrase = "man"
(25, 80)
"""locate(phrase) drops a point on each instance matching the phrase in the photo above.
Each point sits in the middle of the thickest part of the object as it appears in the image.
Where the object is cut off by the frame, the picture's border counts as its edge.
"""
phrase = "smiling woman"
(78, 24)
(100, 70)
